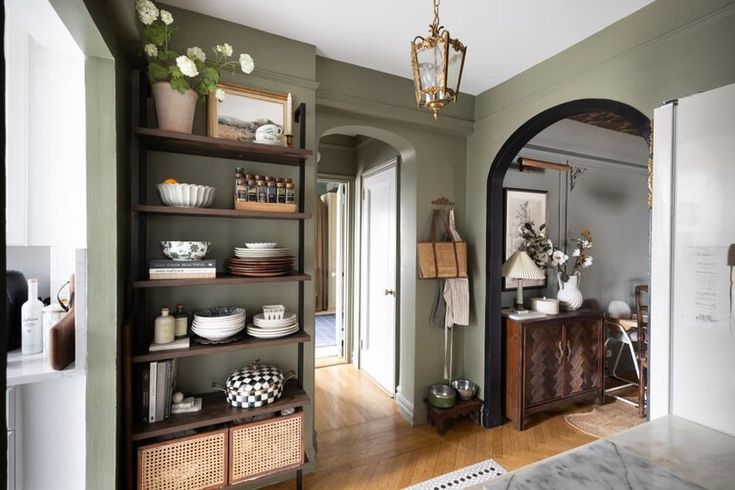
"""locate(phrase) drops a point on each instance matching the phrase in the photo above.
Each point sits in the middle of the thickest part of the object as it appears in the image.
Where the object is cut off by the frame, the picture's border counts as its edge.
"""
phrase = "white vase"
(569, 296)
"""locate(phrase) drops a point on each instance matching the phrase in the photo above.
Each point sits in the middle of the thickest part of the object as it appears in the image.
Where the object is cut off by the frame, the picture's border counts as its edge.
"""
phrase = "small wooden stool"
(438, 417)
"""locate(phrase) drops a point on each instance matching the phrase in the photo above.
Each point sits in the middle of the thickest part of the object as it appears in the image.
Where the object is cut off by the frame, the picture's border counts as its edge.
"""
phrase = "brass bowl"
(442, 396)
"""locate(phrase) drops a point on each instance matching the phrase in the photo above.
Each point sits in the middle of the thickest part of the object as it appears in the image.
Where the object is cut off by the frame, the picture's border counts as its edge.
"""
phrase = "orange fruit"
(170, 181)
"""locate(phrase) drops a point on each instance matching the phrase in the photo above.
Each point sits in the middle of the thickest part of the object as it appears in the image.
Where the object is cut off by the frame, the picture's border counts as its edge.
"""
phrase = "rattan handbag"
(441, 260)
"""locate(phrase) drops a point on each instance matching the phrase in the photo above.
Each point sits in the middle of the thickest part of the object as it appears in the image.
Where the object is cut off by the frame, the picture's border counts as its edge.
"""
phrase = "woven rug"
(605, 420)
(463, 477)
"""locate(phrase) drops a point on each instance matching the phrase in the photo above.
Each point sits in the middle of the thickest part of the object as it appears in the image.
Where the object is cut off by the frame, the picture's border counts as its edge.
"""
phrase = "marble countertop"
(668, 453)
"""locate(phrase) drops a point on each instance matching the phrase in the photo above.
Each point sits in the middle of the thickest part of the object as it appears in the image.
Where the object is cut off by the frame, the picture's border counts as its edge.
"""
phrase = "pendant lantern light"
(437, 62)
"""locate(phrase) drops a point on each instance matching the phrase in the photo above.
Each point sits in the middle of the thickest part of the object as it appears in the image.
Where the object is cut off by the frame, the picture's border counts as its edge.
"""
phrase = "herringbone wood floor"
(363, 443)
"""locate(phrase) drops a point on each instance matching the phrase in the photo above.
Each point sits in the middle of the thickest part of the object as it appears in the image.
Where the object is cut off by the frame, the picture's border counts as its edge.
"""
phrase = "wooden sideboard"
(552, 361)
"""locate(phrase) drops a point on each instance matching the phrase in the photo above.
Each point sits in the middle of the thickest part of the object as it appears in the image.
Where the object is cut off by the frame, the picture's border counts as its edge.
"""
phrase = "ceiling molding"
(423, 120)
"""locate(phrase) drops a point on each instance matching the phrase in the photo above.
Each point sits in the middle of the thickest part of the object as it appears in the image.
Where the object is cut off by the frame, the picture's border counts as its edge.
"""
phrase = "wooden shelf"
(202, 349)
(222, 279)
(216, 410)
(192, 144)
(217, 212)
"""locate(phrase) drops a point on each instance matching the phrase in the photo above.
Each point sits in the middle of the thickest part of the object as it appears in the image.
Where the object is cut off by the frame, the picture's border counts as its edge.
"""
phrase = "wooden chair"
(642, 346)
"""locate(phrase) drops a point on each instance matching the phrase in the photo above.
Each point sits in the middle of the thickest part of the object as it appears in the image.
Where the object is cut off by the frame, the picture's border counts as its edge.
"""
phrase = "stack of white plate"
(218, 323)
(261, 253)
(272, 329)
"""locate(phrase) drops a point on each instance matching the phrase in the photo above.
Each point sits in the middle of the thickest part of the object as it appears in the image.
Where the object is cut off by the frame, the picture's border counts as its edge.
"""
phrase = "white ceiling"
(504, 37)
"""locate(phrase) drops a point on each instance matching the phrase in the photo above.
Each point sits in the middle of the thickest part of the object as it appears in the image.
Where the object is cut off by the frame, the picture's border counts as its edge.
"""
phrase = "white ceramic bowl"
(217, 335)
(185, 250)
(186, 195)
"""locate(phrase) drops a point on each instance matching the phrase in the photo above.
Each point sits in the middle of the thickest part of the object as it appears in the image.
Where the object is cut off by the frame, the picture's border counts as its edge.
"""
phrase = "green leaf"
(156, 72)
(175, 72)
(180, 84)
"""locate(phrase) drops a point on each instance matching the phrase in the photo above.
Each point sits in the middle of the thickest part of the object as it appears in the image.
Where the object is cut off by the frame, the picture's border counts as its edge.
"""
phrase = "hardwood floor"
(363, 443)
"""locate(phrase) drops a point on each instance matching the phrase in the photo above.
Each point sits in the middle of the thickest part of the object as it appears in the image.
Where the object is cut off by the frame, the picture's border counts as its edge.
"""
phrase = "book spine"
(182, 264)
(145, 385)
(193, 275)
(160, 390)
(192, 270)
(167, 397)
(153, 377)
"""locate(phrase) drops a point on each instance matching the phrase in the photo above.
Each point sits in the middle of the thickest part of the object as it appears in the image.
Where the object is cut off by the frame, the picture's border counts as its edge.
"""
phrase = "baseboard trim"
(405, 408)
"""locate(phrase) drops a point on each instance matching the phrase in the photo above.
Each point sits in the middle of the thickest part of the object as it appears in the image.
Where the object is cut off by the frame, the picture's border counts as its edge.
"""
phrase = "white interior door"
(378, 284)
(703, 323)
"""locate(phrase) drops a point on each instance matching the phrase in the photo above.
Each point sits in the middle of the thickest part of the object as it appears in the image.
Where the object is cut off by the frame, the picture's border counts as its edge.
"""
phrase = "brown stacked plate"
(261, 263)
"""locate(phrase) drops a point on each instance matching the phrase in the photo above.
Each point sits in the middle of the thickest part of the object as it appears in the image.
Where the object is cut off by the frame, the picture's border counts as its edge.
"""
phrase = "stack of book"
(182, 269)
(157, 382)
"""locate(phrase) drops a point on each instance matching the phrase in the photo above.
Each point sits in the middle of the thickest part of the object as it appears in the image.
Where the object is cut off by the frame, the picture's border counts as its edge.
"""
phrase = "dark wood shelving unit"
(222, 279)
(217, 212)
(192, 144)
(135, 335)
(216, 410)
(203, 349)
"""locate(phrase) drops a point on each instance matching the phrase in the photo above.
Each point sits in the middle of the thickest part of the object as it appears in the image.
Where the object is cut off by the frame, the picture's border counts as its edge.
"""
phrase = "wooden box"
(266, 447)
(266, 206)
(189, 463)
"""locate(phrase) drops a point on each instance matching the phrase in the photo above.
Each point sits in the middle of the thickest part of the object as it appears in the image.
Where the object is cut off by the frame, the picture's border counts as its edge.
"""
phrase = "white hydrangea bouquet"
(546, 256)
(184, 71)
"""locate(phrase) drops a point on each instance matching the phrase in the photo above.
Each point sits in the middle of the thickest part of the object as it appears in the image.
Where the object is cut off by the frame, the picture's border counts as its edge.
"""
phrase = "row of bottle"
(168, 328)
(256, 188)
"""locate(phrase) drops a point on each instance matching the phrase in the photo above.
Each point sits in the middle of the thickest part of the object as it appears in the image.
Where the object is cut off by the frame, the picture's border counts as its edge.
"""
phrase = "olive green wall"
(337, 156)
(668, 49)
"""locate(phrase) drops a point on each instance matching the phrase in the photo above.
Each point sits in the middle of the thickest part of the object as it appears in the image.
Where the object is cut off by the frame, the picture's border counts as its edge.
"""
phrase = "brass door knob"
(390, 292)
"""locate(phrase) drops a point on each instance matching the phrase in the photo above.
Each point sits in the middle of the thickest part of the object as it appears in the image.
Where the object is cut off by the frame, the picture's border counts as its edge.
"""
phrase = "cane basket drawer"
(266, 447)
(189, 463)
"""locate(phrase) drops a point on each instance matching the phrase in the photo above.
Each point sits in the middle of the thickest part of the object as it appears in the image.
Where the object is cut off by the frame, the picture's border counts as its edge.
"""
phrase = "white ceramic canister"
(548, 306)
(51, 314)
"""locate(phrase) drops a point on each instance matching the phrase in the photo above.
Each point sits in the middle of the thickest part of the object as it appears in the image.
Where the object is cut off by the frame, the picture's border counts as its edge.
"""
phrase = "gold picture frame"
(243, 110)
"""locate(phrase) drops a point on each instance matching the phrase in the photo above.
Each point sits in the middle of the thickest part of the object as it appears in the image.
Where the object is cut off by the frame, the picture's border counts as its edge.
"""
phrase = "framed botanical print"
(247, 114)
(522, 206)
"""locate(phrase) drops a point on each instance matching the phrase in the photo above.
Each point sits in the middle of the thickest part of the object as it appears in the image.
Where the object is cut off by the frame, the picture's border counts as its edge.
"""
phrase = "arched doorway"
(493, 412)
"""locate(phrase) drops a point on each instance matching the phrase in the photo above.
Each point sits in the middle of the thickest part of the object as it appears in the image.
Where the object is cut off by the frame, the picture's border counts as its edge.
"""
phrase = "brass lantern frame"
(437, 35)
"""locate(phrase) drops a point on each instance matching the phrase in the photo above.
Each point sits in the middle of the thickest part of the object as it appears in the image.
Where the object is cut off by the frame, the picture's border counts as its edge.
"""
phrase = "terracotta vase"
(569, 296)
(174, 110)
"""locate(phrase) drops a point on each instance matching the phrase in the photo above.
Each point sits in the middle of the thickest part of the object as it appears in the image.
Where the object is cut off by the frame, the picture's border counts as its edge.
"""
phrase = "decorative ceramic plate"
(261, 245)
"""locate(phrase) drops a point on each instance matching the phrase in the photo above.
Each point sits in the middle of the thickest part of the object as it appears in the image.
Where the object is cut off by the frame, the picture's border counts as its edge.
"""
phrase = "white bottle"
(32, 322)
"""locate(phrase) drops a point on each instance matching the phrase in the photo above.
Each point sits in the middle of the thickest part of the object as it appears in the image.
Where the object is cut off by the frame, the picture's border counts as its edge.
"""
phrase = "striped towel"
(457, 298)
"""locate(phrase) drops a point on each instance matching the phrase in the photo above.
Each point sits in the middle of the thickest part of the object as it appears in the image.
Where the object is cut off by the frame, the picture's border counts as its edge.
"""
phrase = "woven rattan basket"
(266, 447)
(189, 463)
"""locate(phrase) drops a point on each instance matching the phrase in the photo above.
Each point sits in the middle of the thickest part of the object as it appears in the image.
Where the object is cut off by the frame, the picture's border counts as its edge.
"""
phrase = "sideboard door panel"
(582, 357)
(543, 380)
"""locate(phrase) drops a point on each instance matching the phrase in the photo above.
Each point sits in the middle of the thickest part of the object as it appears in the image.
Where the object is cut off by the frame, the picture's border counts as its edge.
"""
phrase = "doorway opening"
(566, 226)
(332, 218)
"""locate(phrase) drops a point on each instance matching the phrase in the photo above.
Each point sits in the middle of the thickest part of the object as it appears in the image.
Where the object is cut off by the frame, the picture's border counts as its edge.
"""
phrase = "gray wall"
(338, 155)
(609, 199)
(668, 49)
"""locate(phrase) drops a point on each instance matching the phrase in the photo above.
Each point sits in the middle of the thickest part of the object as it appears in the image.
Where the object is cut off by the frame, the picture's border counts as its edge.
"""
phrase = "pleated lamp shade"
(521, 266)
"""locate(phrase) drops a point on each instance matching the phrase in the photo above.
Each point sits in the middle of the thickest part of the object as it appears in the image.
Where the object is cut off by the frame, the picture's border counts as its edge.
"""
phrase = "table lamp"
(520, 266)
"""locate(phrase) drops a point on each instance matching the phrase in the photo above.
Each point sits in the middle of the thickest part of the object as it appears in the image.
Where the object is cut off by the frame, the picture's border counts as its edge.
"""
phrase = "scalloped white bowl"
(186, 195)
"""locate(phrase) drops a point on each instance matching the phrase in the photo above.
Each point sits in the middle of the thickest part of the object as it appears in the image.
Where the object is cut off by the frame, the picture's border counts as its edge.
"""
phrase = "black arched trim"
(493, 411)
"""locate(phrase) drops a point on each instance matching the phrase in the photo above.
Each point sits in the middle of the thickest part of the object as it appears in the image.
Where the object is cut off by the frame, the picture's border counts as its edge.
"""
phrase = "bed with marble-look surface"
(668, 453)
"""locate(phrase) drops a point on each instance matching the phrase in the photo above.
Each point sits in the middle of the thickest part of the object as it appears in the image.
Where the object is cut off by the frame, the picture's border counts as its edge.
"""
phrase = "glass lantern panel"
(430, 62)
(454, 69)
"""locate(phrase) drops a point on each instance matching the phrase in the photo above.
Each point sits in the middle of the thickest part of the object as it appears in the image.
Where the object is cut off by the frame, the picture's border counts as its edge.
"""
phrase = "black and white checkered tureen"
(255, 386)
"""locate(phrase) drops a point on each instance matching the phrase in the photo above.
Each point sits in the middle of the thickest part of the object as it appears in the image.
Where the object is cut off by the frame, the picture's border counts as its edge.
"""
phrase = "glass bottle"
(31, 321)
(252, 191)
(181, 321)
(164, 328)
(290, 194)
(272, 197)
(280, 193)
(262, 191)
(241, 190)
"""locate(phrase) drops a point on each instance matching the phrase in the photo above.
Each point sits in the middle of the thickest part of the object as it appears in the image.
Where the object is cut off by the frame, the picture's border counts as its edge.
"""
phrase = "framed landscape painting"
(522, 206)
(243, 111)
